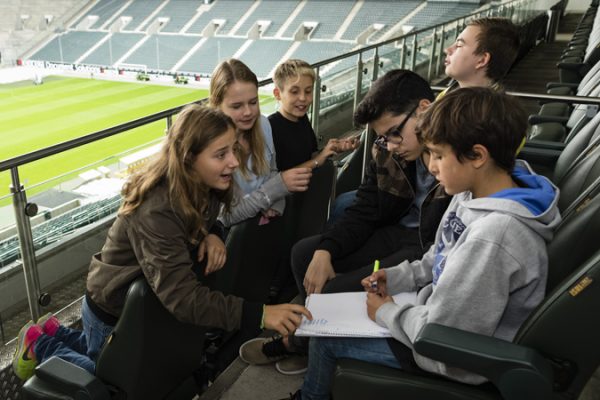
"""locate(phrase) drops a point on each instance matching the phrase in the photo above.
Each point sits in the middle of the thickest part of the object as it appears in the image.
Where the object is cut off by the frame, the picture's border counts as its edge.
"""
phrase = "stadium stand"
(179, 13)
(276, 11)
(315, 51)
(55, 229)
(139, 11)
(329, 14)
(228, 11)
(113, 49)
(100, 14)
(215, 49)
(69, 46)
(436, 12)
(387, 12)
(271, 52)
(162, 51)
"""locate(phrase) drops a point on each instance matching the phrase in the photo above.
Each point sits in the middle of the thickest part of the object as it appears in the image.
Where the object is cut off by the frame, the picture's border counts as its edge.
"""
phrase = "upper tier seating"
(213, 51)
(104, 10)
(329, 14)
(139, 10)
(276, 11)
(230, 11)
(162, 51)
(386, 12)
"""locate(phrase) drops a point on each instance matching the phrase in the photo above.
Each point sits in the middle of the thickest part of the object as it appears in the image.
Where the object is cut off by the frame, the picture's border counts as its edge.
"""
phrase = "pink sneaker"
(49, 324)
(24, 361)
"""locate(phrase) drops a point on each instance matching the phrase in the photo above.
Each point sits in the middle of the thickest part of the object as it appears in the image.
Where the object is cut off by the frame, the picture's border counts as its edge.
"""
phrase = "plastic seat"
(149, 355)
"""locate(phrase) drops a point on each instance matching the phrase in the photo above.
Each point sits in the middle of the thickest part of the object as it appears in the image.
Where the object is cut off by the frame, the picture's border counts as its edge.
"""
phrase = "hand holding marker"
(375, 269)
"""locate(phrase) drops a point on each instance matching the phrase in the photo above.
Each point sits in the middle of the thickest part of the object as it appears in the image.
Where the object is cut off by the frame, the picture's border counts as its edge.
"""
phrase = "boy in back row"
(487, 268)
(293, 136)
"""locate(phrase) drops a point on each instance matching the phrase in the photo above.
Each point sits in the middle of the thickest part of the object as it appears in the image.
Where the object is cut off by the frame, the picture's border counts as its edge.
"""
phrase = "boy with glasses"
(394, 218)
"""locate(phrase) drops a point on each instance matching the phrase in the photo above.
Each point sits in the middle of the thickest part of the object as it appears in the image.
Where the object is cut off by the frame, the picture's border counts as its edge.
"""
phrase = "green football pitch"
(33, 117)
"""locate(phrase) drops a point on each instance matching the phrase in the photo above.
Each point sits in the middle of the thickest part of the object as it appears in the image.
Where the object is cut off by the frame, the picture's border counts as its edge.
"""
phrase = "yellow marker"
(375, 269)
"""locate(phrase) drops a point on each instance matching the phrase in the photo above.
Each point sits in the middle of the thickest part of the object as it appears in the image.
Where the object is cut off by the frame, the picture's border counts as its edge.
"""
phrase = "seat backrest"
(351, 173)
(565, 328)
(575, 239)
(257, 253)
(577, 149)
(150, 353)
(579, 177)
(311, 208)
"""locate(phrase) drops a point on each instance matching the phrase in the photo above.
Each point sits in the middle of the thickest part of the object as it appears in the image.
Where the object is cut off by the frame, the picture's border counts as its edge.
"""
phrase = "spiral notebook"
(345, 314)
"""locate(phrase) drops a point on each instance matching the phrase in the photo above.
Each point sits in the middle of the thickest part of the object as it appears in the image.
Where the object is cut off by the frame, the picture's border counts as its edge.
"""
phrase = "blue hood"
(537, 193)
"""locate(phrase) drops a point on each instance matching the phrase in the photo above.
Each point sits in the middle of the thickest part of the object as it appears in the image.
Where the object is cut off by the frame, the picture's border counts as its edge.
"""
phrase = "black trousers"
(390, 245)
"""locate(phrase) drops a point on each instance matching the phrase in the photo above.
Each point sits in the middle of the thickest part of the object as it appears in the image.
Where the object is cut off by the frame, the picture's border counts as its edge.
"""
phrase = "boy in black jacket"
(399, 205)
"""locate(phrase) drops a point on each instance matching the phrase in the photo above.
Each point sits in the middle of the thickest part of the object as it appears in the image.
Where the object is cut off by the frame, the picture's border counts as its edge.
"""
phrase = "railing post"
(441, 52)
(32, 280)
(403, 53)
(413, 56)
(375, 65)
(316, 106)
(169, 123)
(358, 89)
(432, 51)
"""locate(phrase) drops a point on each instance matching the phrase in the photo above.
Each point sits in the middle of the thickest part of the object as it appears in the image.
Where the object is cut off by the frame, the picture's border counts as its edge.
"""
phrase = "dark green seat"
(149, 355)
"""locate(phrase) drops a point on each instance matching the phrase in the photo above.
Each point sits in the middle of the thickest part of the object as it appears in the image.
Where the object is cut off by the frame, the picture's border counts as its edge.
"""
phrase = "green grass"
(34, 117)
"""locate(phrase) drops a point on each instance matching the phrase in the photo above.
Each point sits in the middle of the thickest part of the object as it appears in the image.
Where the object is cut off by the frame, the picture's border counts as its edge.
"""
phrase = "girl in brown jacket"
(168, 216)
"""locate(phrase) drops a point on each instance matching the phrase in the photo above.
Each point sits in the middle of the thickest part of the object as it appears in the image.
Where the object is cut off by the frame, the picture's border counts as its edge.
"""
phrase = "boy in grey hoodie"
(487, 269)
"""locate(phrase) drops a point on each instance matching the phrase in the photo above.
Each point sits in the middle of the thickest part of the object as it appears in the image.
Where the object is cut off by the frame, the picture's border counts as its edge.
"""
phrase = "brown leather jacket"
(155, 241)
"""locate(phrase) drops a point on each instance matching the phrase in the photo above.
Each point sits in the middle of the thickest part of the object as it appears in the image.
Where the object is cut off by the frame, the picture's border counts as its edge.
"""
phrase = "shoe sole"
(249, 341)
(289, 373)
(20, 349)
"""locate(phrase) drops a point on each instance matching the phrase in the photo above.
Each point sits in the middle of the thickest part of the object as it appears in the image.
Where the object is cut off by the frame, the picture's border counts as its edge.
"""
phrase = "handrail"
(104, 133)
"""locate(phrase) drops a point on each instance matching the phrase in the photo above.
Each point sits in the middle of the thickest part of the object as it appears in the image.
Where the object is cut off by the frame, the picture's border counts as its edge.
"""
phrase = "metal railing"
(421, 51)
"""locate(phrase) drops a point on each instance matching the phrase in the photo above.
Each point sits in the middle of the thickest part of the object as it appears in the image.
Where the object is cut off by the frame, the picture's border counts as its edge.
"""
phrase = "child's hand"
(285, 318)
(348, 144)
(270, 213)
(380, 288)
(296, 179)
(330, 149)
(216, 253)
(374, 301)
(319, 271)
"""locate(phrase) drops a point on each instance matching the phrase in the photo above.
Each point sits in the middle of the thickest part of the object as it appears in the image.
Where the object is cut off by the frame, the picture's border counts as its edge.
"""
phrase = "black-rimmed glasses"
(382, 141)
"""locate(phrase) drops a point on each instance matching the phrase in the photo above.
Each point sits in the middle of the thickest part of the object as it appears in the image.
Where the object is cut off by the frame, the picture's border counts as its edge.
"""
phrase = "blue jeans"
(340, 204)
(322, 356)
(77, 347)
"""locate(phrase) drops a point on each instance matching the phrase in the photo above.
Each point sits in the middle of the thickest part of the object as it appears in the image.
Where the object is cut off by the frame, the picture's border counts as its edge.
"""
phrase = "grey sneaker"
(263, 350)
(293, 365)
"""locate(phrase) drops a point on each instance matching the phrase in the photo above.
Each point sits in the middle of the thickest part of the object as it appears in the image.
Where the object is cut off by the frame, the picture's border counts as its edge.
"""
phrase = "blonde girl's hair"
(193, 131)
(226, 73)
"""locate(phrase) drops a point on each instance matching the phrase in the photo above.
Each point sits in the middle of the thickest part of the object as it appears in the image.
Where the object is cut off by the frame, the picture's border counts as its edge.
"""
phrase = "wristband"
(316, 163)
(262, 320)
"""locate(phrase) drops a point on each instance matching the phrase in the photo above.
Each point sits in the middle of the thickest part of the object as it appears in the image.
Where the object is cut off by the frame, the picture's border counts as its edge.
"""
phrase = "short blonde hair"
(292, 69)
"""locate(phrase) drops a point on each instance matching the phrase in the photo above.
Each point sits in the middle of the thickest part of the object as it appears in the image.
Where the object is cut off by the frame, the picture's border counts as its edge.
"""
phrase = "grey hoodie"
(485, 272)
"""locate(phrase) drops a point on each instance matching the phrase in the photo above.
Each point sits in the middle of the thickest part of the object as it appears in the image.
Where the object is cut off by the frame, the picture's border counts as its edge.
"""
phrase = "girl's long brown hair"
(195, 128)
(226, 73)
